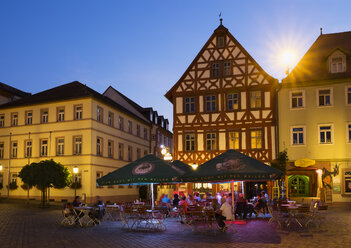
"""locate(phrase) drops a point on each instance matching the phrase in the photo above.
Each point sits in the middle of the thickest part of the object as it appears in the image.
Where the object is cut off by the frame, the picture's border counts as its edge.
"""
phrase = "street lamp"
(194, 166)
(0, 167)
(75, 172)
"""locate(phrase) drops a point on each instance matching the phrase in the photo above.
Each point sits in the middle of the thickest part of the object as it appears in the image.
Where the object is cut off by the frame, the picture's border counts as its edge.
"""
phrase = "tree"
(44, 175)
(280, 164)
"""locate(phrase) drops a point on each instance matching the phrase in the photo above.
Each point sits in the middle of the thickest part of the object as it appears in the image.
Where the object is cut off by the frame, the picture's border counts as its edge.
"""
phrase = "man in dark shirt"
(259, 205)
(241, 206)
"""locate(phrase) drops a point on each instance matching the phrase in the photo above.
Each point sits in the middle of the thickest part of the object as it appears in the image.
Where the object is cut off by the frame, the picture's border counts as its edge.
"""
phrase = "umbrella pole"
(178, 188)
(233, 199)
(242, 186)
(152, 196)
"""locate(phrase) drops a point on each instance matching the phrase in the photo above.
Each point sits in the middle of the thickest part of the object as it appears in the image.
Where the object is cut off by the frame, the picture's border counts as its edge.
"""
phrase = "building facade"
(224, 100)
(315, 120)
(78, 127)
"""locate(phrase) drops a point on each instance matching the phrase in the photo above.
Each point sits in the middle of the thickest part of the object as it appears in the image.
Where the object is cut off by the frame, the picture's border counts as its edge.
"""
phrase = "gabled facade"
(315, 120)
(224, 100)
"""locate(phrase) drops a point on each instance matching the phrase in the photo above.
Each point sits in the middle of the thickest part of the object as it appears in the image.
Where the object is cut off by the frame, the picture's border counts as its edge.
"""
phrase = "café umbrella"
(232, 166)
(147, 170)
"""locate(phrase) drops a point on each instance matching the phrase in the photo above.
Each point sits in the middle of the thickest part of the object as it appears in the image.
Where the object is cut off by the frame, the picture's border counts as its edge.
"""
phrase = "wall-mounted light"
(75, 170)
(167, 156)
(194, 166)
(319, 172)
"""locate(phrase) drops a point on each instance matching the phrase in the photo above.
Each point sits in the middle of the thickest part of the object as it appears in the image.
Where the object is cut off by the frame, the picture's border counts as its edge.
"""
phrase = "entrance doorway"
(299, 186)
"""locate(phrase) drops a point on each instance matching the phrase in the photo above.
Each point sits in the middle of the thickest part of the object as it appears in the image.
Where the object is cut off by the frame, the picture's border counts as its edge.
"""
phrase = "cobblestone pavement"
(25, 226)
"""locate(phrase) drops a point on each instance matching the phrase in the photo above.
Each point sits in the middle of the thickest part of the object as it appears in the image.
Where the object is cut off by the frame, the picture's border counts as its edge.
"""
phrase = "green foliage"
(45, 174)
(76, 185)
(281, 161)
(13, 185)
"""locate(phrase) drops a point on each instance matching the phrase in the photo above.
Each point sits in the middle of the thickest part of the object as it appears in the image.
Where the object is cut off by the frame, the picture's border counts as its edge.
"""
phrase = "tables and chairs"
(84, 216)
(112, 212)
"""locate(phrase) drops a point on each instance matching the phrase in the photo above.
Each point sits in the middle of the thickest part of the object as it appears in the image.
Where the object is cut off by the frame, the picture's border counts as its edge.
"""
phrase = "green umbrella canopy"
(149, 169)
(232, 165)
(183, 166)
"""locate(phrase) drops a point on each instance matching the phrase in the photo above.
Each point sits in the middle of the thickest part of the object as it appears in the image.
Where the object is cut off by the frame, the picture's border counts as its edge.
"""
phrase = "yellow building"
(314, 105)
(76, 126)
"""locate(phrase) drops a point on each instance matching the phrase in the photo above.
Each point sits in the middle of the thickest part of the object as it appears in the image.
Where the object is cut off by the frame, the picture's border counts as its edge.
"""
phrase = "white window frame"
(347, 87)
(2, 120)
(44, 148)
(2, 150)
(331, 133)
(292, 135)
(29, 117)
(303, 99)
(78, 112)
(348, 135)
(60, 146)
(44, 117)
(77, 145)
(14, 149)
(28, 148)
(331, 97)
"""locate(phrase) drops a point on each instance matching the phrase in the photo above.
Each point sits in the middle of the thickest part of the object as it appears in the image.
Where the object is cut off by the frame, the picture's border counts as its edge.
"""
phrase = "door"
(299, 186)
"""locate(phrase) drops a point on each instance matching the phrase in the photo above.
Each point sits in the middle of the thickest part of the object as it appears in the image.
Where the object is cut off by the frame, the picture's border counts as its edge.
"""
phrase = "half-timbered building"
(224, 100)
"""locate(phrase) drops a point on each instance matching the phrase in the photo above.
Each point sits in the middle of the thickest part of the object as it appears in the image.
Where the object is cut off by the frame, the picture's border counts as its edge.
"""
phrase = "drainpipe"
(9, 175)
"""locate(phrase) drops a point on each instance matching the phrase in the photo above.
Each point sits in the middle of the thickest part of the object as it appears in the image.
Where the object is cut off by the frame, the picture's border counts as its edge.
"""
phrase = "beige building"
(314, 105)
(76, 126)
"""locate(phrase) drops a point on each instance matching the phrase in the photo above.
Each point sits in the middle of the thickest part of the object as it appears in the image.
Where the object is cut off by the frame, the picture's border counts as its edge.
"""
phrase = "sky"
(141, 48)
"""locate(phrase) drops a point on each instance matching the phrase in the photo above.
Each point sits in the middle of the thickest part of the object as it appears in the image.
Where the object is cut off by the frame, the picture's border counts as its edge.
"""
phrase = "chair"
(69, 217)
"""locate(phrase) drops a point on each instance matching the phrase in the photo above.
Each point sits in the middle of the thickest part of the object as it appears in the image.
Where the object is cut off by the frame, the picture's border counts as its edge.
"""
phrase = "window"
(189, 105)
(138, 130)
(28, 148)
(349, 133)
(256, 139)
(210, 103)
(110, 149)
(110, 119)
(78, 112)
(130, 153)
(215, 70)
(44, 116)
(2, 120)
(298, 136)
(120, 123)
(130, 127)
(325, 134)
(227, 69)
(324, 97)
(98, 146)
(60, 114)
(60, 146)
(138, 153)
(145, 133)
(14, 149)
(255, 99)
(233, 101)
(98, 175)
(2, 150)
(44, 148)
(348, 98)
(189, 142)
(336, 65)
(234, 140)
(120, 151)
(77, 145)
(297, 99)
(211, 143)
(220, 41)
(14, 119)
(14, 178)
(99, 116)
(29, 118)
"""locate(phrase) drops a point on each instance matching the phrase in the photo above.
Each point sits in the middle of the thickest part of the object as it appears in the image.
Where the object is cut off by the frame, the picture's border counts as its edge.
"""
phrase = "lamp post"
(75, 172)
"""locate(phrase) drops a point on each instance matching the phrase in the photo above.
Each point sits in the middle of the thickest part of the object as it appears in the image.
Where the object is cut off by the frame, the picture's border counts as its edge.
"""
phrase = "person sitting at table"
(197, 197)
(190, 200)
(241, 207)
(98, 210)
(223, 213)
(162, 196)
(176, 200)
(259, 205)
(208, 196)
(166, 202)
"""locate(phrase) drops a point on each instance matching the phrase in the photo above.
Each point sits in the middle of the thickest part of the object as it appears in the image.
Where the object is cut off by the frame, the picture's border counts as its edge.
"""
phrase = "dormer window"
(337, 62)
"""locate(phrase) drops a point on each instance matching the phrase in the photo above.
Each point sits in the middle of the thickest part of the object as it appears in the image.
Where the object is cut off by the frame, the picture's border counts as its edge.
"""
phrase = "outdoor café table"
(84, 215)
(112, 212)
(293, 211)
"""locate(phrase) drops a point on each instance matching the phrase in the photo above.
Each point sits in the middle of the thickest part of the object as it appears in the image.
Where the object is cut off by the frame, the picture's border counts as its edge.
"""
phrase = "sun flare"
(287, 58)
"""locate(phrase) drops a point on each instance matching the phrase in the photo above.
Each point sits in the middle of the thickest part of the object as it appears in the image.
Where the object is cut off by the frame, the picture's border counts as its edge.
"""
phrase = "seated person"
(176, 200)
(99, 210)
(190, 200)
(166, 202)
(197, 197)
(77, 203)
(259, 206)
(241, 207)
(224, 213)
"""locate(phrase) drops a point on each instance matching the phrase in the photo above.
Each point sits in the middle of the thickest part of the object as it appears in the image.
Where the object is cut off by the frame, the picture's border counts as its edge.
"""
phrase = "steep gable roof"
(314, 64)
(218, 31)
